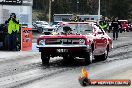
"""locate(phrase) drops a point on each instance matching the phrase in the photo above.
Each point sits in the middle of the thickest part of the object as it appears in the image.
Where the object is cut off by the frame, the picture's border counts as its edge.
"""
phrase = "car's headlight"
(81, 41)
(42, 42)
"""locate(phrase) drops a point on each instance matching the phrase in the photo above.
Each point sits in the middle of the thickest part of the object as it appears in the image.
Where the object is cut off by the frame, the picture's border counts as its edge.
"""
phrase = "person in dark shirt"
(115, 26)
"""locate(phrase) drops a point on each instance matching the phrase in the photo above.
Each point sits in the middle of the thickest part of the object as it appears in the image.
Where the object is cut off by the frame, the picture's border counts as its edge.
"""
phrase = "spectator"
(13, 29)
(115, 27)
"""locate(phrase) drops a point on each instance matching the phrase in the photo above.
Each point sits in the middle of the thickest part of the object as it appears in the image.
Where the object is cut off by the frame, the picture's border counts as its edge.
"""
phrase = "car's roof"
(43, 22)
(122, 20)
(65, 23)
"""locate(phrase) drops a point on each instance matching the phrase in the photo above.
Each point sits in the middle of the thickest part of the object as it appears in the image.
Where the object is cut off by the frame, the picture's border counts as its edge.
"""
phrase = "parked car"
(42, 26)
(34, 28)
(83, 39)
(124, 25)
(41, 23)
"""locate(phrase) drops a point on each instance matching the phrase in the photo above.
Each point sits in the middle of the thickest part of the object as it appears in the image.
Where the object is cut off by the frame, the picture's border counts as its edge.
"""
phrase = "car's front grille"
(62, 41)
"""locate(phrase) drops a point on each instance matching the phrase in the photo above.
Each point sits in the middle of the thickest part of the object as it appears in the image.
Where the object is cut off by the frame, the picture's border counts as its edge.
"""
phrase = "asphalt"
(25, 67)
(117, 66)
(5, 55)
(121, 41)
(9, 55)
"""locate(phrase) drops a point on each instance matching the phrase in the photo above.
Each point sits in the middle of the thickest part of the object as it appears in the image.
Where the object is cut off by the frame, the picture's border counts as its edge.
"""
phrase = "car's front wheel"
(45, 58)
(88, 57)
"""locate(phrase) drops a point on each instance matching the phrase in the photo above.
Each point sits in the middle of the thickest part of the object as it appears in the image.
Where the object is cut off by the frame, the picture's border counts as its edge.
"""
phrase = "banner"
(26, 39)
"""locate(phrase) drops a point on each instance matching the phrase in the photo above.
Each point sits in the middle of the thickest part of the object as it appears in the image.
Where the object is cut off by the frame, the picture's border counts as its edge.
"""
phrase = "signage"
(11, 2)
(26, 41)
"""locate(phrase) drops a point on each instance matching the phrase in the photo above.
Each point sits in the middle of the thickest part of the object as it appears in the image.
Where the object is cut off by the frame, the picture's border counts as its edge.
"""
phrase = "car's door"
(100, 39)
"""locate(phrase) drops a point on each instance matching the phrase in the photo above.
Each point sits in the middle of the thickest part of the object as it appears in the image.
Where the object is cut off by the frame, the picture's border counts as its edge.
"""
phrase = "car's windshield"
(38, 22)
(80, 28)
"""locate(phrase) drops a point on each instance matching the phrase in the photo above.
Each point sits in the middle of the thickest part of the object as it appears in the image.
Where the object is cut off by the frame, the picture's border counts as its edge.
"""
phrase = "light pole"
(49, 11)
(2, 18)
(50, 8)
(99, 12)
(77, 5)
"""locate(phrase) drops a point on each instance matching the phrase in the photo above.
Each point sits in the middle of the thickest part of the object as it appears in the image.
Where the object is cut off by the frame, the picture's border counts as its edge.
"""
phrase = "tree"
(93, 6)
(116, 8)
(120, 9)
(109, 8)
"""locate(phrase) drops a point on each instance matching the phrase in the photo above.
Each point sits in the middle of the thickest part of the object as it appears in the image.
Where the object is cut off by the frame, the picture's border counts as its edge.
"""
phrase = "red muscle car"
(75, 39)
(124, 25)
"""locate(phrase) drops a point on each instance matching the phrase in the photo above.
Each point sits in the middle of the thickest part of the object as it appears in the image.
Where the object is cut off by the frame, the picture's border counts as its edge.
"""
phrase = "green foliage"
(116, 8)
(120, 9)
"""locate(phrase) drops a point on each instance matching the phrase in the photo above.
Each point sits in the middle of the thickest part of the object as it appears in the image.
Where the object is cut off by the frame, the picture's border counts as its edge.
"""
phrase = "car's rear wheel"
(45, 58)
(102, 57)
(88, 57)
(127, 30)
(105, 55)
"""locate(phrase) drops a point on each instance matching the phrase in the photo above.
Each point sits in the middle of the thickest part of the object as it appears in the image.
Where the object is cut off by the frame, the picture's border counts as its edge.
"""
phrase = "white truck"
(68, 17)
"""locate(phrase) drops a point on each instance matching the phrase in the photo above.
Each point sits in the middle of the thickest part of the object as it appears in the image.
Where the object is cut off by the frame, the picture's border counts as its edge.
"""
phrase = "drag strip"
(26, 77)
(56, 67)
(28, 71)
(69, 78)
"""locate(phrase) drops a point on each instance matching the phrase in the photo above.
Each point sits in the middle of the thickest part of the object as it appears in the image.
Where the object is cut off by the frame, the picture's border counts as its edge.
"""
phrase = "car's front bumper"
(63, 46)
(60, 50)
